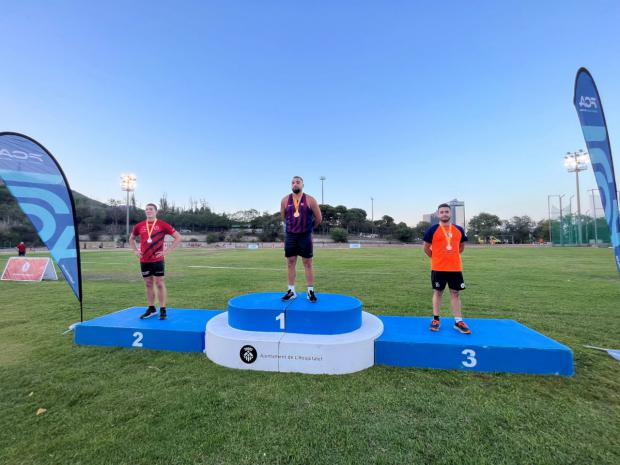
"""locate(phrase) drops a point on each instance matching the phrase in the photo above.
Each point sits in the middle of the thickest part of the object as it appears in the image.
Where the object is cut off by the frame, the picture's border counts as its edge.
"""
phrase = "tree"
(420, 229)
(402, 232)
(521, 228)
(385, 226)
(484, 225)
(541, 231)
(353, 219)
(270, 226)
(339, 235)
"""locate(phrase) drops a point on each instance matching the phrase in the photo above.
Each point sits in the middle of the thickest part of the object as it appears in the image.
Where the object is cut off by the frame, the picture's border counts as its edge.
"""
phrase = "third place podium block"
(494, 346)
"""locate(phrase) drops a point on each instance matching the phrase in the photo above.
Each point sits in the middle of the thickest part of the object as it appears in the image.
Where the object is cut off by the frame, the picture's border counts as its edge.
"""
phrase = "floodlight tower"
(128, 184)
(576, 162)
(322, 178)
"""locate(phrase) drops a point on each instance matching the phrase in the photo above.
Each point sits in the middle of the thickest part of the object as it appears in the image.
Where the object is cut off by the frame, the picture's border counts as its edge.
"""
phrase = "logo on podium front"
(248, 354)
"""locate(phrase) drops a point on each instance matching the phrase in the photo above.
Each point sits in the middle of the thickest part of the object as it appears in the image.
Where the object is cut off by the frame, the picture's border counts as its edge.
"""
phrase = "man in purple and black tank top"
(301, 214)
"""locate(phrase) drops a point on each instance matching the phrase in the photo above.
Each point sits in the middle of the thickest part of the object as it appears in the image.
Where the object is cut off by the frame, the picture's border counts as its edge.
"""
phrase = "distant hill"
(16, 227)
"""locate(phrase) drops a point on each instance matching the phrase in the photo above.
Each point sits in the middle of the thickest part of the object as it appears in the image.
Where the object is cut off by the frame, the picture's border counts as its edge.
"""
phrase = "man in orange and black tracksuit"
(443, 243)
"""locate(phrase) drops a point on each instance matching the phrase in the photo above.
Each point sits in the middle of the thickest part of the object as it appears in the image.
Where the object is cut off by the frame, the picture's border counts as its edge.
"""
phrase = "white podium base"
(291, 352)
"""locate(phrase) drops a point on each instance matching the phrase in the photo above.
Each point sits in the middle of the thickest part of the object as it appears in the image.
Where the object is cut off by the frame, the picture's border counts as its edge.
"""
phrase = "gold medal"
(296, 203)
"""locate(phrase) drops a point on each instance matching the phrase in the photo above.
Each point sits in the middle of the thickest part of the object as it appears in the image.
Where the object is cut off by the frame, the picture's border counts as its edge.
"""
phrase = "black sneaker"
(311, 296)
(462, 328)
(148, 314)
(290, 295)
(162, 314)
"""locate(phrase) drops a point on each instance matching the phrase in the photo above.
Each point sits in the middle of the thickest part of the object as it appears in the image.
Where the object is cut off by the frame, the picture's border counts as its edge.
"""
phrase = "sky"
(412, 103)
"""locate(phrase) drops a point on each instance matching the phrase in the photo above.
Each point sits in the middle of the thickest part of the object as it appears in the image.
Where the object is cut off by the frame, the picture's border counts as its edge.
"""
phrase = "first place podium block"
(331, 314)
(260, 332)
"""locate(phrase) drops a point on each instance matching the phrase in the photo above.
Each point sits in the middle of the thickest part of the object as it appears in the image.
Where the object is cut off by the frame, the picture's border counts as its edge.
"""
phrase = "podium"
(332, 336)
(493, 346)
(183, 331)
(260, 332)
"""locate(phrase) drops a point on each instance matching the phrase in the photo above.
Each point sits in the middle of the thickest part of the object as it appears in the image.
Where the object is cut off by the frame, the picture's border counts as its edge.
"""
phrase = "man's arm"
(177, 238)
(132, 244)
(463, 240)
(316, 211)
(428, 250)
(283, 209)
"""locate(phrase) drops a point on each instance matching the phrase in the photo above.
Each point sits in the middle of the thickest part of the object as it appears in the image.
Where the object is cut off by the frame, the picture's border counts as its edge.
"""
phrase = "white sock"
(291, 288)
(458, 319)
(310, 288)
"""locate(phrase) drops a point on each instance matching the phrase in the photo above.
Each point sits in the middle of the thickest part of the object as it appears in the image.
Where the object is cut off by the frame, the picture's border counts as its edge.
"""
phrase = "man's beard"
(296, 190)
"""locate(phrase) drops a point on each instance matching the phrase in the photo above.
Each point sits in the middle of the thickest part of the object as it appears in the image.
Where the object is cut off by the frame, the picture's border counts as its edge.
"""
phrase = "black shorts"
(21, 254)
(454, 280)
(298, 244)
(152, 269)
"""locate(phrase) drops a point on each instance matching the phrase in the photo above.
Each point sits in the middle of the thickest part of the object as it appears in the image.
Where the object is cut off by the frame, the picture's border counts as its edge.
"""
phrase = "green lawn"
(120, 406)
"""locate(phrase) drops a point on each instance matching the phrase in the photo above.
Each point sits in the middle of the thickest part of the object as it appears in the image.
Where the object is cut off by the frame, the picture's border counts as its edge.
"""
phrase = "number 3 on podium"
(471, 358)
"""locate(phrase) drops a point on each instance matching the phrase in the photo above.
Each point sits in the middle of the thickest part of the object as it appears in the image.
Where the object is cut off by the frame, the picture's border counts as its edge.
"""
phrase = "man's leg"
(455, 302)
(437, 296)
(150, 297)
(161, 290)
(291, 264)
(308, 271)
(161, 296)
(309, 279)
(150, 290)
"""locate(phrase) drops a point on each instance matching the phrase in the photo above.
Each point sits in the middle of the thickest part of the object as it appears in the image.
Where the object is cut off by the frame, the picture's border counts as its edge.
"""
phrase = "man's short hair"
(443, 205)
(151, 205)
(298, 177)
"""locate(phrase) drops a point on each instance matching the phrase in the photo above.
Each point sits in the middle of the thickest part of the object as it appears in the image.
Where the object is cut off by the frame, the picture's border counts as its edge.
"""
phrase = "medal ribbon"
(297, 203)
(150, 231)
(447, 235)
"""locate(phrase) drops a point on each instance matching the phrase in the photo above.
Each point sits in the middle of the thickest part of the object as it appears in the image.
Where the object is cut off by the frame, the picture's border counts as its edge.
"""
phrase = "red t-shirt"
(151, 251)
(21, 247)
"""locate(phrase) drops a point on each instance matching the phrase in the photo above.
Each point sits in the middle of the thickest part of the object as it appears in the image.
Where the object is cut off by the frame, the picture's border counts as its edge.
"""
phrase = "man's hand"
(428, 250)
(138, 253)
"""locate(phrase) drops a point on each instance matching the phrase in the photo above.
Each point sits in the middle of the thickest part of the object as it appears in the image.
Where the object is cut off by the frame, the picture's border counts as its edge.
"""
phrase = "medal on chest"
(149, 231)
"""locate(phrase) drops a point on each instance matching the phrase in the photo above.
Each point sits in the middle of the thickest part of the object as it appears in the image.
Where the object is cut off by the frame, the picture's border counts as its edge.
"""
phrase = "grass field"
(119, 406)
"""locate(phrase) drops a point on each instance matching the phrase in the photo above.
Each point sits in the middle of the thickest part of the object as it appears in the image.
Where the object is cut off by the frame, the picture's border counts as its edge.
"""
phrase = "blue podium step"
(331, 314)
(493, 346)
(183, 331)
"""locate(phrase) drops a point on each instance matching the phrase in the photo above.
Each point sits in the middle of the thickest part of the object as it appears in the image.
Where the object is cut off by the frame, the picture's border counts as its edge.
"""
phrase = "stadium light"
(322, 178)
(574, 163)
(128, 184)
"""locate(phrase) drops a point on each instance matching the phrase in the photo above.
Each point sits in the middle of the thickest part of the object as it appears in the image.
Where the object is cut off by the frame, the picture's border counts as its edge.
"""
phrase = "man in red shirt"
(444, 243)
(151, 254)
(21, 249)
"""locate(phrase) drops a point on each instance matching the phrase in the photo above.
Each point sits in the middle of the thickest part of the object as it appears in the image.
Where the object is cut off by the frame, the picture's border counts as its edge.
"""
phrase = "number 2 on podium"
(138, 341)
(280, 318)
